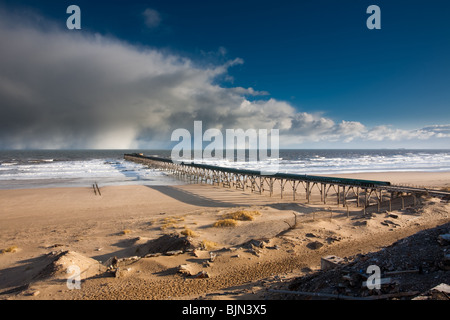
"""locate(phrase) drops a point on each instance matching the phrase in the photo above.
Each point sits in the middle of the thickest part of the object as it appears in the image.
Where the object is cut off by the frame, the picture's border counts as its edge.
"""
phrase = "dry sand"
(49, 230)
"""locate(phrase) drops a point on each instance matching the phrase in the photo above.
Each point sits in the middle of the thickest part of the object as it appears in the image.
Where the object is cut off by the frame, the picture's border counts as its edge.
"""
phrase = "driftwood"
(402, 271)
(344, 297)
(295, 222)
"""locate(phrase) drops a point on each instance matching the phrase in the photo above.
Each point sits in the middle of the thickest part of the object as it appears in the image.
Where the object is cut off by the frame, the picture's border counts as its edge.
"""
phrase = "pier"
(331, 190)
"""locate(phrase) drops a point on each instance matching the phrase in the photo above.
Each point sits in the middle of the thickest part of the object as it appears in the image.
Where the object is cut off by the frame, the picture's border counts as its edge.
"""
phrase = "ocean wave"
(120, 171)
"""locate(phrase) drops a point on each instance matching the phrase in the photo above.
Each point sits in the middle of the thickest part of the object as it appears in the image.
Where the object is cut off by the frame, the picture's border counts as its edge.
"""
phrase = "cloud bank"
(65, 89)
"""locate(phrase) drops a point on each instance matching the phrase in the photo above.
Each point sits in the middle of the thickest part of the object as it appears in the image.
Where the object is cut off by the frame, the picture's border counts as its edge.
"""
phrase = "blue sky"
(316, 61)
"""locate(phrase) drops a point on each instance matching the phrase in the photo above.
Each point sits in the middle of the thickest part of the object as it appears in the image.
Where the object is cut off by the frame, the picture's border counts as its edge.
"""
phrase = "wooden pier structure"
(363, 193)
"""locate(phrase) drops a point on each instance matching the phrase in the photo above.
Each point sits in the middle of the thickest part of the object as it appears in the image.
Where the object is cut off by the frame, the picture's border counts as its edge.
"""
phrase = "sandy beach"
(129, 243)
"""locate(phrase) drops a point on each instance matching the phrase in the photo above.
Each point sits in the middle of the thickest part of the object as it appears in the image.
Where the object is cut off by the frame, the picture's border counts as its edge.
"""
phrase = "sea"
(75, 168)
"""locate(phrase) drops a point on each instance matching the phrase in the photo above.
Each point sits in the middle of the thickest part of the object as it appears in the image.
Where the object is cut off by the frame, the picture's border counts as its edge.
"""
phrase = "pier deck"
(363, 193)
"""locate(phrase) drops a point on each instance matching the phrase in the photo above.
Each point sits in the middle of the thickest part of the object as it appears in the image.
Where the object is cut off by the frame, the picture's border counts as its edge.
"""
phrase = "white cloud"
(152, 18)
(381, 133)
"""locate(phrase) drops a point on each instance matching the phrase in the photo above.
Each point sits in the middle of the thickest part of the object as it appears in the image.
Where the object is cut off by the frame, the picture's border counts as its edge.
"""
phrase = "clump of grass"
(169, 220)
(173, 220)
(188, 233)
(225, 223)
(11, 249)
(208, 245)
(126, 231)
(243, 215)
(168, 225)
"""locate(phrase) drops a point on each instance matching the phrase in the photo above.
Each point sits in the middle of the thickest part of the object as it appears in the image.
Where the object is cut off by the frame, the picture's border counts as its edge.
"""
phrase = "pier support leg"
(307, 191)
(357, 196)
(338, 195)
(344, 202)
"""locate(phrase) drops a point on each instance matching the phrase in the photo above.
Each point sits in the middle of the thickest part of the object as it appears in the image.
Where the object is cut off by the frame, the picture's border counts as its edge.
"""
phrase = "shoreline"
(438, 179)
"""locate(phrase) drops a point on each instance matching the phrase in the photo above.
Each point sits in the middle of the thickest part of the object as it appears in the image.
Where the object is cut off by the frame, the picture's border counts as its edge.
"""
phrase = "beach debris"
(31, 292)
(390, 223)
(315, 245)
(444, 239)
(152, 255)
(255, 246)
(311, 235)
(206, 263)
(439, 292)
(202, 275)
(56, 245)
(295, 224)
(361, 223)
(332, 239)
(330, 262)
(346, 297)
(133, 258)
(255, 243)
(185, 269)
(445, 263)
(406, 268)
(122, 272)
(411, 210)
(174, 252)
(212, 256)
(111, 263)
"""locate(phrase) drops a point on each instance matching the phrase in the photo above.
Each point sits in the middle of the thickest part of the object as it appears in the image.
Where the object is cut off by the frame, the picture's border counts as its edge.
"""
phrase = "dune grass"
(242, 215)
(225, 223)
(11, 249)
(208, 245)
(188, 233)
